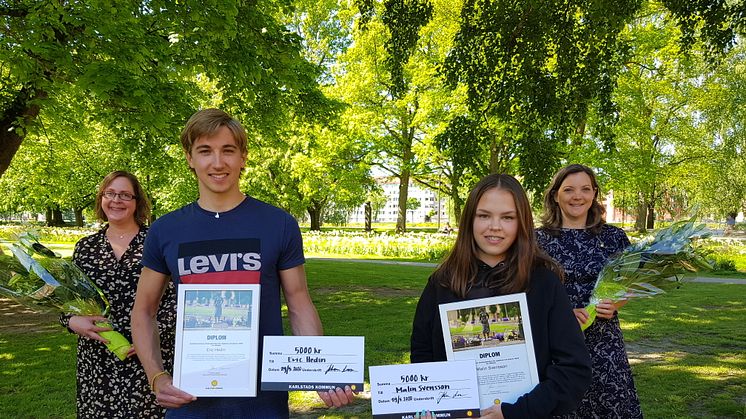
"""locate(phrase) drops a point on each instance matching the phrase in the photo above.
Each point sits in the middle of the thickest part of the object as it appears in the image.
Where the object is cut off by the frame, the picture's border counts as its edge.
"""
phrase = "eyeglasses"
(124, 196)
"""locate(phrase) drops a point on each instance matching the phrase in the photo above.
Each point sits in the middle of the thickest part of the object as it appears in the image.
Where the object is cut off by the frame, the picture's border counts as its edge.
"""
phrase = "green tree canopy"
(136, 63)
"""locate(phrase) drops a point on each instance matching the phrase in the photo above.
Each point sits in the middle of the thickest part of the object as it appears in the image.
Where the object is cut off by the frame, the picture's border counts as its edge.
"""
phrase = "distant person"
(575, 234)
(218, 308)
(485, 320)
(224, 221)
(447, 229)
(495, 254)
(730, 223)
(106, 386)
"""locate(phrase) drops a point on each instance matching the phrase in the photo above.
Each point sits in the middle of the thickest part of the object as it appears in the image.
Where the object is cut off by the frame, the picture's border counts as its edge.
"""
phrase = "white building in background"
(429, 205)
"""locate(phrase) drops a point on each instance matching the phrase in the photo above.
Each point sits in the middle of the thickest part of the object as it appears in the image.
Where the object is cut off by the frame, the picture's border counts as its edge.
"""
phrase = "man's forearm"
(306, 321)
(147, 343)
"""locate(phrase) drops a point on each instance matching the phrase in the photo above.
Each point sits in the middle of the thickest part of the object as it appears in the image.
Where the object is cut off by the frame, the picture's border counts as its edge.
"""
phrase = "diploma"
(495, 332)
(310, 363)
(217, 338)
(446, 389)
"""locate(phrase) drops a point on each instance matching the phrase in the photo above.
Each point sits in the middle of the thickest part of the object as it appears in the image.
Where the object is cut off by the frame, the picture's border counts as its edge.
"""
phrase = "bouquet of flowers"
(38, 278)
(651, 266)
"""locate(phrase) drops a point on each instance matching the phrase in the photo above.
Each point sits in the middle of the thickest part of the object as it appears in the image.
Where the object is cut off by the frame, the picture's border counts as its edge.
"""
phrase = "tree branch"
(13, 12)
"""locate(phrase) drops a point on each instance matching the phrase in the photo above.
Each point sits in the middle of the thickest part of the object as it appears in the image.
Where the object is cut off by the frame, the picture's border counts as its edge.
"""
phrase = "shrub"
(724, 264)
(421, 246)
(47, 234)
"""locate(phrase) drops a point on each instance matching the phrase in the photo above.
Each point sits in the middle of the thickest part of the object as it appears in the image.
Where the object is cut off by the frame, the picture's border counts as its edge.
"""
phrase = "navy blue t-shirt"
(249, 244)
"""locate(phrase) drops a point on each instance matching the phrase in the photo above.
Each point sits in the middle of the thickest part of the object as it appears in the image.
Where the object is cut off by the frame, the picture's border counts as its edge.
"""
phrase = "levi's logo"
(220, 263)
(234, 261)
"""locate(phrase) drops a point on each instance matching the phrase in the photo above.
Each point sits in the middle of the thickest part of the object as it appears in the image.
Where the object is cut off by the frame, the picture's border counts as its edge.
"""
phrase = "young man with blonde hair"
(224, 221)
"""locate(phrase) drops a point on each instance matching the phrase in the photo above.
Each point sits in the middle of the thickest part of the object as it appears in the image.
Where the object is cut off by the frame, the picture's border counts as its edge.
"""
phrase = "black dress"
(108, 387)
(582, 254)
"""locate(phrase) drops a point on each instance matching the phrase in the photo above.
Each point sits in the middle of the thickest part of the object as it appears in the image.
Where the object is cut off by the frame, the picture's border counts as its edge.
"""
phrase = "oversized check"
(447, 389)
(496, 333)
(309, 363)
(217, 340)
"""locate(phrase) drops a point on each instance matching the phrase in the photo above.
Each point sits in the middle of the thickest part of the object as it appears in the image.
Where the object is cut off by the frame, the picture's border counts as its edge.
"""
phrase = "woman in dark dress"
(575, 234)
(106, 386)
(496, 254)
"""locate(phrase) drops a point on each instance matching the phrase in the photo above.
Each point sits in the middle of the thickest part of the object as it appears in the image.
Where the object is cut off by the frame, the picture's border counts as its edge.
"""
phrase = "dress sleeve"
(65, 321)
(617, 239)
(623, 239)
(541, 237)
(568, 373)
(421, 343)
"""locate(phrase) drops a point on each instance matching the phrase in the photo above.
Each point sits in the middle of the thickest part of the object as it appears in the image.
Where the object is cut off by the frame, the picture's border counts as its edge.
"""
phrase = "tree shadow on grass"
(383, 315)
(686, 351)
(37, 364)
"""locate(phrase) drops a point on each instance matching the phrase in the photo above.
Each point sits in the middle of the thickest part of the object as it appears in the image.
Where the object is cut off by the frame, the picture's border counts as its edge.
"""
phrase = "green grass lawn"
(686, 347)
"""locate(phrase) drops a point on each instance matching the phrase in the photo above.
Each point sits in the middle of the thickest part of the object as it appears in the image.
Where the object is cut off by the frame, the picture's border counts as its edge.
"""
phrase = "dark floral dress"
(582, 254)
(108, 387)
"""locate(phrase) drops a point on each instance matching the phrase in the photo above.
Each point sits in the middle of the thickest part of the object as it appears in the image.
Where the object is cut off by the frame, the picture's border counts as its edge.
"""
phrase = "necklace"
(120, 236)
(217, 213)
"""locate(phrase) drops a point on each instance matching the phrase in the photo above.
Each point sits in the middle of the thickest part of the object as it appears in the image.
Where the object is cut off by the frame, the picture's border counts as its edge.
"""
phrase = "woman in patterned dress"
(575, 234)
(106, 386)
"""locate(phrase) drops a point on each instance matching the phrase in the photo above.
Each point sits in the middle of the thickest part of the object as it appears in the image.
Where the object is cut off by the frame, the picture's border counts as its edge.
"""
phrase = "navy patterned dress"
(582, 254)
(108, 387)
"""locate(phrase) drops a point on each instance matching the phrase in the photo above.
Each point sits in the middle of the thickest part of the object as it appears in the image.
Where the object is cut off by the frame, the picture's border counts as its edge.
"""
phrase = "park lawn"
(687, 351)
(37, 365)
(686, 347)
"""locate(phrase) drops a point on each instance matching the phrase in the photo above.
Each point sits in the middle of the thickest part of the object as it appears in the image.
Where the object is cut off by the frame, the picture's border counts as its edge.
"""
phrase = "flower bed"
(421, 246)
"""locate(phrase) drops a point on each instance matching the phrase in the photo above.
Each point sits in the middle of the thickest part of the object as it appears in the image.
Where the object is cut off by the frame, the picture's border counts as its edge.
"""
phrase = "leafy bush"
(729, 254)
(420, 246)
(724, 264)
(47, 234)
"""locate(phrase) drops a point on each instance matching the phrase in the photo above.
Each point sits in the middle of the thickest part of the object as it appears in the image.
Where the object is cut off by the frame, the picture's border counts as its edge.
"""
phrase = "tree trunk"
(494, 157)
(401, 217)
(54, 217)
(651, 217)
(315, 214)
(456, 201)
(368, 216)
(79, 217)
(641, 216)
(458, 205)
(11, 132)
(48, 216)
(406, 172)
(153, 207)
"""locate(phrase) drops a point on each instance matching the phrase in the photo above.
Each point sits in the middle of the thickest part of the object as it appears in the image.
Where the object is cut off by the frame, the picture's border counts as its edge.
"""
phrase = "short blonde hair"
(207, 122)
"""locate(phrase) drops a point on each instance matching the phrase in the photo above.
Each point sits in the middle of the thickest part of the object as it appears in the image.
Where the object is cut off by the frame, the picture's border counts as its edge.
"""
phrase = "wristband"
(155, 377)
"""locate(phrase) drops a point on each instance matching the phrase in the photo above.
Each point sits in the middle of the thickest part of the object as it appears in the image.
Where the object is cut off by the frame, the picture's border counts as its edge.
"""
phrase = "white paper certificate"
(447, 389)
(496, 333)
(309, 363)
(217, 338)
